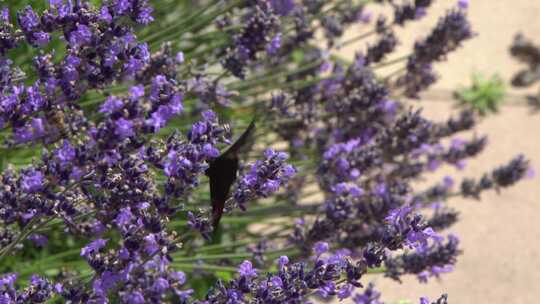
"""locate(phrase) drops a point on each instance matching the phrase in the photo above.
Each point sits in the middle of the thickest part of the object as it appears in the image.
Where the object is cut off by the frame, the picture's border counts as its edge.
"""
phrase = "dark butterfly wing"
(240, 142)
(222, 174)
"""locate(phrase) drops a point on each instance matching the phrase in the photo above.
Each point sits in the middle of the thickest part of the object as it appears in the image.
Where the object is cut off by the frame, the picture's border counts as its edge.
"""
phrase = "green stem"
(376, 270)
(262, 79)
(194, 27)
(185, 22)
(28, 229)
(391, 62)
(233, 256)
(207, 267)
(356, 39)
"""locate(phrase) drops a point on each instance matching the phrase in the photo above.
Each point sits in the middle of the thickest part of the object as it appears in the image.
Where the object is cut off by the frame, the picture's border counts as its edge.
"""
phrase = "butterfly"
(222, 173)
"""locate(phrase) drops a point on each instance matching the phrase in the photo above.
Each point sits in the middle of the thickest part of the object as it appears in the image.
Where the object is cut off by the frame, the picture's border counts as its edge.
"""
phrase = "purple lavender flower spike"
(282, 7)
(93, 247)
(369, 296)
(105, 15)
(66, 153)
(345, 291)
(134, 297)
(274, 45)
(327, 290)
(31, 132)
(124, 128)
(282, 261)
(442, 300)
(32, 181)
(263, 178)
(28, 19)
(320, 248)
(39, 240)
(246, 270)
(111, 104)
(179, 57)
(80, 36)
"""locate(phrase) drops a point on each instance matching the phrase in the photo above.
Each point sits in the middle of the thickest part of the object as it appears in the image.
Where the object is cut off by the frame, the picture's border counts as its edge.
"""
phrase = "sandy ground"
(501, 234)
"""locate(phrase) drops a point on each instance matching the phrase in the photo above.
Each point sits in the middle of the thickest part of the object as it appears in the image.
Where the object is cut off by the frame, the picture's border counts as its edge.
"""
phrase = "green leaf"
(484, 95)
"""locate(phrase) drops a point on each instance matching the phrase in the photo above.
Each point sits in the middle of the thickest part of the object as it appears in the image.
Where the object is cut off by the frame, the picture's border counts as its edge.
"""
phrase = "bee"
(56, 118)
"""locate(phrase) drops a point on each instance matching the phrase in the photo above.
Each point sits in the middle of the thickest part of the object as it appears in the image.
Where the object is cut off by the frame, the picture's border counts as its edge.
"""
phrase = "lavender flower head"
(263, 178)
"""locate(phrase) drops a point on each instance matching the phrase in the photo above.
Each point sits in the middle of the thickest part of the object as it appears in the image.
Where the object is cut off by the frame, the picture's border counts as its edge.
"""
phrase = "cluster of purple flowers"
(38, 290)
(263, 178)
(98, 50)
(260, 32)
(293, 281)
(121, 175)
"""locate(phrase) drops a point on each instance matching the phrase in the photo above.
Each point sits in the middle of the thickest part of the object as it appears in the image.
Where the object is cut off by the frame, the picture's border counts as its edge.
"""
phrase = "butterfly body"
(222, 173)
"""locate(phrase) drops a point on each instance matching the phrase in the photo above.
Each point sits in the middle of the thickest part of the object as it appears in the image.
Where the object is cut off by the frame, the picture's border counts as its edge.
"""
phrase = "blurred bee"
(56, 118)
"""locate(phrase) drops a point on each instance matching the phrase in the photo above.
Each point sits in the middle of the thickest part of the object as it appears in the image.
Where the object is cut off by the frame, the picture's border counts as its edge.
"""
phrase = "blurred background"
(501, 233)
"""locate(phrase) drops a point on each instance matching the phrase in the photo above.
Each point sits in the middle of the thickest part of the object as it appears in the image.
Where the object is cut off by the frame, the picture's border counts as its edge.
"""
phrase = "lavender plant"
(115, 132)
